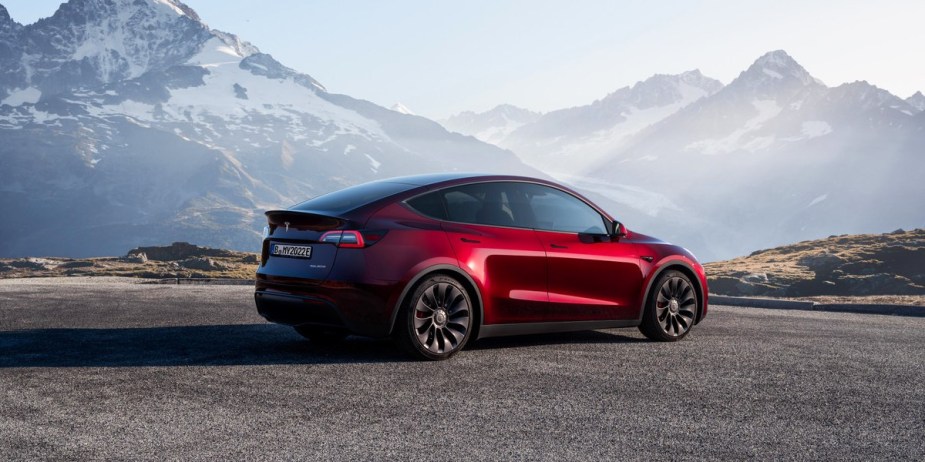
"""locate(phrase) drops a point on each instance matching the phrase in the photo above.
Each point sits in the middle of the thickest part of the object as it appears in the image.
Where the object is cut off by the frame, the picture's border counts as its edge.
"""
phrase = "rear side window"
(493, 203)
(431, 205)
(352, 198)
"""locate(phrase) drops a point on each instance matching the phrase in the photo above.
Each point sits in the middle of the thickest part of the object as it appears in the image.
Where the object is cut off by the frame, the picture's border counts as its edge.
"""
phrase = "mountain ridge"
(189, 138)
(775, 156)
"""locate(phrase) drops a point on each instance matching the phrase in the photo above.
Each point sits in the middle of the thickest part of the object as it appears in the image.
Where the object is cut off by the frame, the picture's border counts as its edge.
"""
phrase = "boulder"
(203, 263)
(138, 257)
(823, 262)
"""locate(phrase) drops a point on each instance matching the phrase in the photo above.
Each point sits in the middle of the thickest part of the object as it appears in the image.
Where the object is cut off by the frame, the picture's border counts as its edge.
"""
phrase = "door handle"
(557, 246)
(470, 241)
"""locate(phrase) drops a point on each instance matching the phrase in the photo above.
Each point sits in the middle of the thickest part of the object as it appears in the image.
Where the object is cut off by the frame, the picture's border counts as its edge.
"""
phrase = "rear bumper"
(294, 310)
(364, 309)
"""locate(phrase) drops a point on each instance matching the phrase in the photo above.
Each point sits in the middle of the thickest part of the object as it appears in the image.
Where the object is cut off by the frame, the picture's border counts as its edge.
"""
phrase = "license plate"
(297, 251)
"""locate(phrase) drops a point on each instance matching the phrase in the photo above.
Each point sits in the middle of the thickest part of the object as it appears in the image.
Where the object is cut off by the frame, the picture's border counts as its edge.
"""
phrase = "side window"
(492, 203)
(431, 205)
(461, 206)
(555, 210)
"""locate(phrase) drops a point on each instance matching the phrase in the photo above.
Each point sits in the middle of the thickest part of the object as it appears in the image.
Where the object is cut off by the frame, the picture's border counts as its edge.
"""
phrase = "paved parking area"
(107, 369)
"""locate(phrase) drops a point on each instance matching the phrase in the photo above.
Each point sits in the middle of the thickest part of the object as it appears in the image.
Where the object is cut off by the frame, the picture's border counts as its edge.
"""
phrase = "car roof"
(419, 184)
(432, 179)
(430, 182)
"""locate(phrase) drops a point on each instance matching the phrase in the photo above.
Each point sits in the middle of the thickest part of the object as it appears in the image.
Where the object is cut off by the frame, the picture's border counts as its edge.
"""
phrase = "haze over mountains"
(131, 122)
(774, 157)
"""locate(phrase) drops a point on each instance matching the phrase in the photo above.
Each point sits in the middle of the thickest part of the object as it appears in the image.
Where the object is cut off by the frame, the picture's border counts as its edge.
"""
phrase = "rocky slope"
(855, 265)
(178, 260)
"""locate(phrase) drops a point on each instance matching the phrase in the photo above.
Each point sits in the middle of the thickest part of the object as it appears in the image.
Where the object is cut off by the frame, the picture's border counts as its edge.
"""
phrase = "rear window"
(352, 198)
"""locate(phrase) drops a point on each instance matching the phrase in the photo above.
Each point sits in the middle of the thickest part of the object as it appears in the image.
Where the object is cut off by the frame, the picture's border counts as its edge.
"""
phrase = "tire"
(670, 309)
(435, 322)
(321, 335)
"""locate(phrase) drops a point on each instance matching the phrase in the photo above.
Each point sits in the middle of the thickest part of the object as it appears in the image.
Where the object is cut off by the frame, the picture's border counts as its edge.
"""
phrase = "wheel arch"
(680, 266)
(449, 270)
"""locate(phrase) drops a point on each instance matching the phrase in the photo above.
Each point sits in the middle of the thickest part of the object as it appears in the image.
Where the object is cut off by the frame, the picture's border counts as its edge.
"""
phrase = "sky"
(441, 57)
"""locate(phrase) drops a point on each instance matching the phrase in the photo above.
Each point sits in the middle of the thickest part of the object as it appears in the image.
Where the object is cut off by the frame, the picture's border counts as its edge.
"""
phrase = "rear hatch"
(293, 246)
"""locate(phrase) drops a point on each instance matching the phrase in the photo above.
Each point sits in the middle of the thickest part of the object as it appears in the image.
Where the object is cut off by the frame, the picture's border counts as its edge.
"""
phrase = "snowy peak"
(5, 17)
(917, 101)
(863, 95)
(773, 71)
(568, 140)
(779, 65)
(506, 112)
(402, 109)
(491, 126)
(91, 10)
(87, 43)
(8, 27)
(240, 47)
(664, 89)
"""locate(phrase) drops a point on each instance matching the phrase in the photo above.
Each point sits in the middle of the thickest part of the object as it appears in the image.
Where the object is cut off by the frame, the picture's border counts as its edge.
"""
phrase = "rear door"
(496, 246)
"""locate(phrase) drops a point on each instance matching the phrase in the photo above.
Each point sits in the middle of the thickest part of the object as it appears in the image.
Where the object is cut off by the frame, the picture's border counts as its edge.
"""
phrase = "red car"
(439, 260)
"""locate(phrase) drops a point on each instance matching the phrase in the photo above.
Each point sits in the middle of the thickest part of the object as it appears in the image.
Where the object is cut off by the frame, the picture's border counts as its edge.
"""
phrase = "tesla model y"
(437, 261)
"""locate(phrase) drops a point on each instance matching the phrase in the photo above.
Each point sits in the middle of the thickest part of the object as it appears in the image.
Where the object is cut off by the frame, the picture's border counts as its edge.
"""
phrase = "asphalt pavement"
(101, 369)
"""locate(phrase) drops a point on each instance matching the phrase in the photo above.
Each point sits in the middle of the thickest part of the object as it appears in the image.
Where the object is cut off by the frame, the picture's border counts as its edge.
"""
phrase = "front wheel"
(436, 320)
(671, 310)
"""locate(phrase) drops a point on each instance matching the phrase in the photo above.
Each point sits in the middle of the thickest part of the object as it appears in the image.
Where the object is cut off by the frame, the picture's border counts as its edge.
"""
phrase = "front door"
(589, 276)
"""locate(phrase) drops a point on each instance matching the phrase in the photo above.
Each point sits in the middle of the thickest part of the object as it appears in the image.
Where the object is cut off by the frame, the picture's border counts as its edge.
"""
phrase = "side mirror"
(618, 230)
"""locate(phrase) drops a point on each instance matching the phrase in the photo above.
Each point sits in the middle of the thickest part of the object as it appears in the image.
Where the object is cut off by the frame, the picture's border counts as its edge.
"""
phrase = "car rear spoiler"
(306, 221)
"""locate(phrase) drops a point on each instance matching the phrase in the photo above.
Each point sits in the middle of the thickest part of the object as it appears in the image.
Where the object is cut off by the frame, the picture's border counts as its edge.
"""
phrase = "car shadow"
(217, 345)
(565, 338)
(226, 345)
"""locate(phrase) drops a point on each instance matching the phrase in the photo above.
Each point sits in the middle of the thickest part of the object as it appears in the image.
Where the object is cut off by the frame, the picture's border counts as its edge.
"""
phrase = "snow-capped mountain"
(774, 157)
(130, 122)
(568, 140)
(917, 101)
(491, 126)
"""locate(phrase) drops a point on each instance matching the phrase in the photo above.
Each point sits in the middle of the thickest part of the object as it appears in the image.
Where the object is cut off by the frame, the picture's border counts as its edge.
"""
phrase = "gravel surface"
(112, 370)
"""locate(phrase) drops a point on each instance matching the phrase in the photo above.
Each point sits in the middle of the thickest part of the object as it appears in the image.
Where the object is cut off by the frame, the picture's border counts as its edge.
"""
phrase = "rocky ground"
(179, 259)
(868, 268)
(881, 267)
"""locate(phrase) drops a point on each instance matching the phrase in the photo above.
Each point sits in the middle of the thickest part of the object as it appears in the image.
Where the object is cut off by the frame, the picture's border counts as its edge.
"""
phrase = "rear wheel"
(671, 309)
(321, 335)
(436, 320)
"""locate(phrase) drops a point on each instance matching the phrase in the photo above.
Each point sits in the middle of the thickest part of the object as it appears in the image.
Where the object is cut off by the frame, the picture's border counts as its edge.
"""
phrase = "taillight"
(352, 239)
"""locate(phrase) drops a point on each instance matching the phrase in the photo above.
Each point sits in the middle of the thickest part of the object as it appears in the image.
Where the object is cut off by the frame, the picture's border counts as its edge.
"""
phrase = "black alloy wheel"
(671, 309)
(436, 320)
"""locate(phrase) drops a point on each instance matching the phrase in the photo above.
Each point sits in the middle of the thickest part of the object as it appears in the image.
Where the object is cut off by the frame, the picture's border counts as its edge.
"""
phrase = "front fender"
(685, 264)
